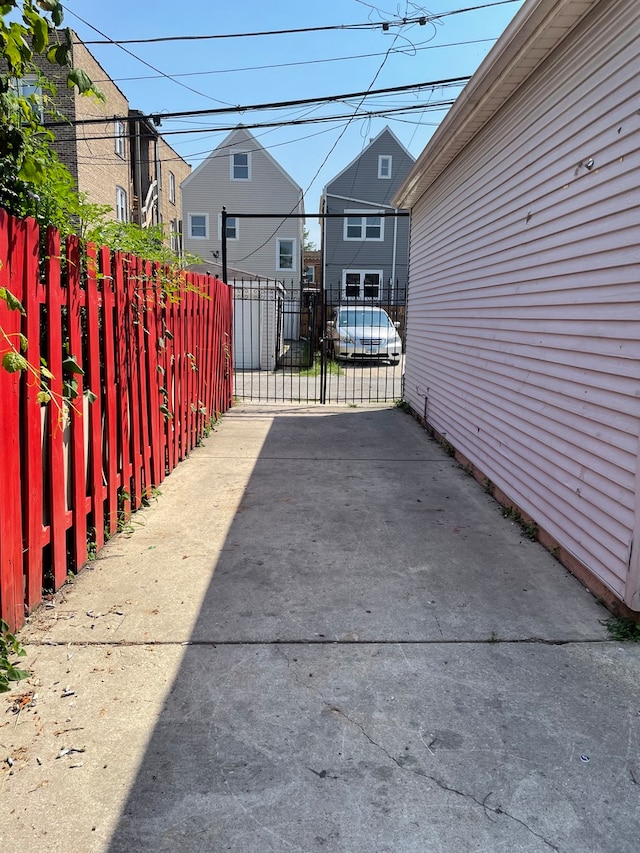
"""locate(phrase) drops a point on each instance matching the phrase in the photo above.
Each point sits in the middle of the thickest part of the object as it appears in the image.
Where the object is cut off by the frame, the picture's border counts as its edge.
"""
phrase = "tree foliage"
(33, 182)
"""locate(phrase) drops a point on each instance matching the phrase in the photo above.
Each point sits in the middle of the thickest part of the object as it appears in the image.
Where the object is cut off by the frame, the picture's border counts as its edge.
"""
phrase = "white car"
(359, 332)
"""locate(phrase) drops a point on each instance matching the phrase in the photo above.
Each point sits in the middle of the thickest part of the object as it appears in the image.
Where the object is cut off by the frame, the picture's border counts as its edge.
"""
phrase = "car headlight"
(346, 338)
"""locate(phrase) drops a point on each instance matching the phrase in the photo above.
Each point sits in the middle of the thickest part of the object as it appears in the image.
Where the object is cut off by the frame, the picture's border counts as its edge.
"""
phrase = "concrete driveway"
(324, 637)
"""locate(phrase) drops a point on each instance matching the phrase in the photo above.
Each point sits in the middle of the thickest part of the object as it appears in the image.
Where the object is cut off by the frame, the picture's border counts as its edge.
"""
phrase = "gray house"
(243, 177)
(264, 255)
(365, 254)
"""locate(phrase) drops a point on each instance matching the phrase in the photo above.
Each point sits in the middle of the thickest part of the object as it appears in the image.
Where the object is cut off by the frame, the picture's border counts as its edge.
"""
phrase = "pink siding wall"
(524, 300)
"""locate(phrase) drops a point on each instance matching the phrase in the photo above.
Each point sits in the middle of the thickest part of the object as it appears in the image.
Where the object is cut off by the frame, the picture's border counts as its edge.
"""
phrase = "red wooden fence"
(72, 470)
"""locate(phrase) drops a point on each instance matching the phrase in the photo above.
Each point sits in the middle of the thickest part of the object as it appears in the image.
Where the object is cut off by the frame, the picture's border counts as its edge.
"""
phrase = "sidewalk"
(322, 637)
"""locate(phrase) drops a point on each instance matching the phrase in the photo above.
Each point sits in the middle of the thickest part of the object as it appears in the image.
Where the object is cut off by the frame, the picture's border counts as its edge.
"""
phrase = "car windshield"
(360, 317)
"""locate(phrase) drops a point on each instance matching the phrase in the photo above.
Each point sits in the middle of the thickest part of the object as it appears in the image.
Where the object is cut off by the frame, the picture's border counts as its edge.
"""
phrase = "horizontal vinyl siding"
(524, 304)
(360, 182)
(209, 189)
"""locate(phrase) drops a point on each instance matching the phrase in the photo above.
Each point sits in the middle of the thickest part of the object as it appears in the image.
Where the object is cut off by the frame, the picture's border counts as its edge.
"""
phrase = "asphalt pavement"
(323, 636)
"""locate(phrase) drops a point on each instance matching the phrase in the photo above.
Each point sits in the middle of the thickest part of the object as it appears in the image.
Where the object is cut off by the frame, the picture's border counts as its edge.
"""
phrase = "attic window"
(384, 166)
(241, 166)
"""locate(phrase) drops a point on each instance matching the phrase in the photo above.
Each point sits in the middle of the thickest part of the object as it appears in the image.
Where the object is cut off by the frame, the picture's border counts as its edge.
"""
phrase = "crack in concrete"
(325, 641)
(496, 810)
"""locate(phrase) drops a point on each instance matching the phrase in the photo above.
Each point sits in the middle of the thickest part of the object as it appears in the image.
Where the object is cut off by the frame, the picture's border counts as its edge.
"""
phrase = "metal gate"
(308, 347)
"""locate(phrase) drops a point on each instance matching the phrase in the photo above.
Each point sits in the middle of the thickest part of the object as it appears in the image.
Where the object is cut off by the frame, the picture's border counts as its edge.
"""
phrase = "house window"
(172, 188)
(240, 166)
(29, 87)
(285, 258)
(118, 133)
(310, 274)
(175, 236)
(232, 227)
(362, 284)
(384, 166)
(363, 227)
(199, 226)
(121, 205)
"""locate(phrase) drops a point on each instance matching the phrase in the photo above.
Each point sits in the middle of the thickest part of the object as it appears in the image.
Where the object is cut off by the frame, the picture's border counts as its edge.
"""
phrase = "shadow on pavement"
(383, 663)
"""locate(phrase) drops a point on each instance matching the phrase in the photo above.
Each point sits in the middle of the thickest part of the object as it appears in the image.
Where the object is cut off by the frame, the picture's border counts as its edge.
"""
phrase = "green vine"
(10, 648)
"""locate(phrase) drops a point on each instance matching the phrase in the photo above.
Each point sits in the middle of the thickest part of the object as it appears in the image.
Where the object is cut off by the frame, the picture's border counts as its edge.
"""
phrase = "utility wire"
(332, 149)
(348, 117)
(157, 117)
(383, 25)
(420, 46)
(144, 62)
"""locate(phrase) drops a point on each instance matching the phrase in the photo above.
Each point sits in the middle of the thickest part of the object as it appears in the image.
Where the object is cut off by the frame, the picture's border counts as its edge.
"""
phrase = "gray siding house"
(243, 177)
(523, 338)
(365, 255)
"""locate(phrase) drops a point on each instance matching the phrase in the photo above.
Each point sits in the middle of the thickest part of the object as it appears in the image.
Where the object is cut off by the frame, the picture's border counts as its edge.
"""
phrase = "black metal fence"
(293, 344)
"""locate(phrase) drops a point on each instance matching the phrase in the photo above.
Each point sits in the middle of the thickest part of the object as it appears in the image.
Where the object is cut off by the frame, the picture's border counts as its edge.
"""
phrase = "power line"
(420, 46)
(347, 117)
(383, 25)
(331, 150)
(144, 62)
(421, 20)
(157, 117)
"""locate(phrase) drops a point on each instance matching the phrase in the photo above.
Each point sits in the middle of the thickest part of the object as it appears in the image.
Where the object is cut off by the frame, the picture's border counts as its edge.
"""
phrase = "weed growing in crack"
(488, 486)
(529, 528)
(10, 648)
(622, 629)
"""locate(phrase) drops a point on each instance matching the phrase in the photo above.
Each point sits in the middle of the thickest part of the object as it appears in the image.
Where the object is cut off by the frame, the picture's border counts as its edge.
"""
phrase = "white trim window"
(199, 226)
(29, 87)
(360, 227)
(122, 214)
(172, 188)
(286, 254)
(310, 274)
(362, 284)
(384, 166)
(119, 138)
(174, 235)
(233, 223)
(240, 163)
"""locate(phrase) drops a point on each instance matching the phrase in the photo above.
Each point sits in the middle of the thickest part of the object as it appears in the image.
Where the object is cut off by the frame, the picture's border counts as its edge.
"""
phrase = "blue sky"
(213, 73)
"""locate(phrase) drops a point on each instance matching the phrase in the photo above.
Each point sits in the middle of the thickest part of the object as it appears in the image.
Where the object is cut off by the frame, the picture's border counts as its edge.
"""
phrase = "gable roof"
(535, 31)
(240, 138)
(385, 130)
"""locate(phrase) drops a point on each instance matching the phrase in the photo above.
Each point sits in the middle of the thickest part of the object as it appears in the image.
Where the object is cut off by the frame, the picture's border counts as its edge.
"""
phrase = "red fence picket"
(156, 370)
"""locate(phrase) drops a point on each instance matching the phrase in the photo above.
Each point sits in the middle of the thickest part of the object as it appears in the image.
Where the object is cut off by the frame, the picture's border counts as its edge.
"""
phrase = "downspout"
(224, 245)
(393, 259)
(138, 171)
(158, 166)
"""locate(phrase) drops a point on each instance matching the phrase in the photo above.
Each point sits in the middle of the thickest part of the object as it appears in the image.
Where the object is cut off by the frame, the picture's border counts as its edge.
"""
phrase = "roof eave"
(536, 30)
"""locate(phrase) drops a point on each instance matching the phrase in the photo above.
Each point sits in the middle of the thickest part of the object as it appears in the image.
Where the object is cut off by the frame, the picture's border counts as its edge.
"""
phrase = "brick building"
(122, 162)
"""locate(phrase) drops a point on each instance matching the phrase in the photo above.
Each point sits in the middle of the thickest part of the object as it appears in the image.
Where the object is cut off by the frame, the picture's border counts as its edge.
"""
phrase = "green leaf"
(15, 674)
(91, 397)
(13, 362)
(78, 77)
(70, 389)
(71, 365)
(24, 343)
(13, 303)
(40, 33)
(46, 373)
(31, 171)
(43, 397)
(59, 54)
